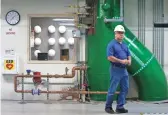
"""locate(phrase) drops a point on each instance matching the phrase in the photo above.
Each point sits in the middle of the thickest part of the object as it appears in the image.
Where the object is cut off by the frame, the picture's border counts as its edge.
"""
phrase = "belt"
(119, 66)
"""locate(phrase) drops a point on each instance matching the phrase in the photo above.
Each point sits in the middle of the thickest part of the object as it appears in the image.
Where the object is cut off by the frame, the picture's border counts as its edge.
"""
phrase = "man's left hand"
(129, 62)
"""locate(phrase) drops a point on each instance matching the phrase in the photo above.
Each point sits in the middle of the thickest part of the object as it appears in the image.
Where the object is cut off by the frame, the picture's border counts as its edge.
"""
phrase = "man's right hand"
(125, 61)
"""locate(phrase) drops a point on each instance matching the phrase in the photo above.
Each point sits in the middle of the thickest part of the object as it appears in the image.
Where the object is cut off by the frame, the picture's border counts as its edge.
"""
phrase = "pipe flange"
(35, 91)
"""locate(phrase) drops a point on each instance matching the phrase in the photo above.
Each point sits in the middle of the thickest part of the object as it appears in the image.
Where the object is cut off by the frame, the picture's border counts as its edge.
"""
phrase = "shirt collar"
(117, 41)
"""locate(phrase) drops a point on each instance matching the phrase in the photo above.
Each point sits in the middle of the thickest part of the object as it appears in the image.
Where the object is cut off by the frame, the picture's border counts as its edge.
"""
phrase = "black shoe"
(122, 110)
(109, 110)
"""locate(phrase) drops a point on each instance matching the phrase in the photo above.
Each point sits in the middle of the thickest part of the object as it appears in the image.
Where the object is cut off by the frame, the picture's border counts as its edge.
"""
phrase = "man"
(119, 56)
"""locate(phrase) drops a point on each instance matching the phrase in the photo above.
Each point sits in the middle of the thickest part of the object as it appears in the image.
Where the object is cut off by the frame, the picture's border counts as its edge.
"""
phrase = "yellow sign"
(9, 64)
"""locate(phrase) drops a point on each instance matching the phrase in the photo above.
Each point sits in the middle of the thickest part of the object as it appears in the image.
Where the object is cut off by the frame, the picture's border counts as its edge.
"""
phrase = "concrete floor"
(75, 108)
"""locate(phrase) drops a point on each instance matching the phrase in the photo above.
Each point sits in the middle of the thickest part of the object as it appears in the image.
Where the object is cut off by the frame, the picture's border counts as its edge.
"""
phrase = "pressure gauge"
(12, 17)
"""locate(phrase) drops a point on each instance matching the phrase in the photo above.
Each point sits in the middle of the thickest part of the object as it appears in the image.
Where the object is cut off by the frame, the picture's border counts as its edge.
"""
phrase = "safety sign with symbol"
(9, 64)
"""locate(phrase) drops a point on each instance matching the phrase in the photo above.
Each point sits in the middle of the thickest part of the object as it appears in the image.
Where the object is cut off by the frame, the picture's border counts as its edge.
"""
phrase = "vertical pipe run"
(157, 44)
(144, 20)
(153, 28)
(22, 89)
(121, 8)
(141, 20)
(158, 33)
(162, 35)
(159, 36)
(83, 87)
(47, 88)
(116, 5)
(22, 101)
(155, 18)
(162, 43)
(80, 84)
(158, 18)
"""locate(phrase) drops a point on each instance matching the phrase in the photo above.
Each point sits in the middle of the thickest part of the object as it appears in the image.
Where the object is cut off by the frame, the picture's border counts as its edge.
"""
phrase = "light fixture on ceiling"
(63, 19)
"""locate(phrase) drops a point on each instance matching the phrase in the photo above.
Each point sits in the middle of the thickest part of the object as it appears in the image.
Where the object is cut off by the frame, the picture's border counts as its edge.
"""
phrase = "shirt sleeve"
(110, 50)
(128, 52)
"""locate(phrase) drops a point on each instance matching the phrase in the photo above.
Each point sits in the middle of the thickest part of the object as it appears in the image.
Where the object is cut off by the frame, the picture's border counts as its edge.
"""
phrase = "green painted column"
(145, 69)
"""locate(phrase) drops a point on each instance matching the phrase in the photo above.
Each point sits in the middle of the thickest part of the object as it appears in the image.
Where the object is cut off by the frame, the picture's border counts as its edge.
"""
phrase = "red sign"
(10, 32)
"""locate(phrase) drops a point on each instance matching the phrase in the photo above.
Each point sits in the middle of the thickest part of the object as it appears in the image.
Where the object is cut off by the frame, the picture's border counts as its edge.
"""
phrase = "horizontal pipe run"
(47, 76)
(69, 92)
(31, 83)
(56, 75)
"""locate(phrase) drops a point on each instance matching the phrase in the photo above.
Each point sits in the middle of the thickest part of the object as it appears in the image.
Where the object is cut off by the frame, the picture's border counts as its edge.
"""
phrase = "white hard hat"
(119, 28)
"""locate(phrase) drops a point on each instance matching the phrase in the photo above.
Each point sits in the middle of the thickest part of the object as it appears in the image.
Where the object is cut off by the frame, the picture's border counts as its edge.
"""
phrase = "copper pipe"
(57, 75)
(49, 76)
(58, 92)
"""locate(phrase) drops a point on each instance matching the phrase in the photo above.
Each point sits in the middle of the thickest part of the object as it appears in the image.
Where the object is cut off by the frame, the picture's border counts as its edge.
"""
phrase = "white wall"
(19, 41)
